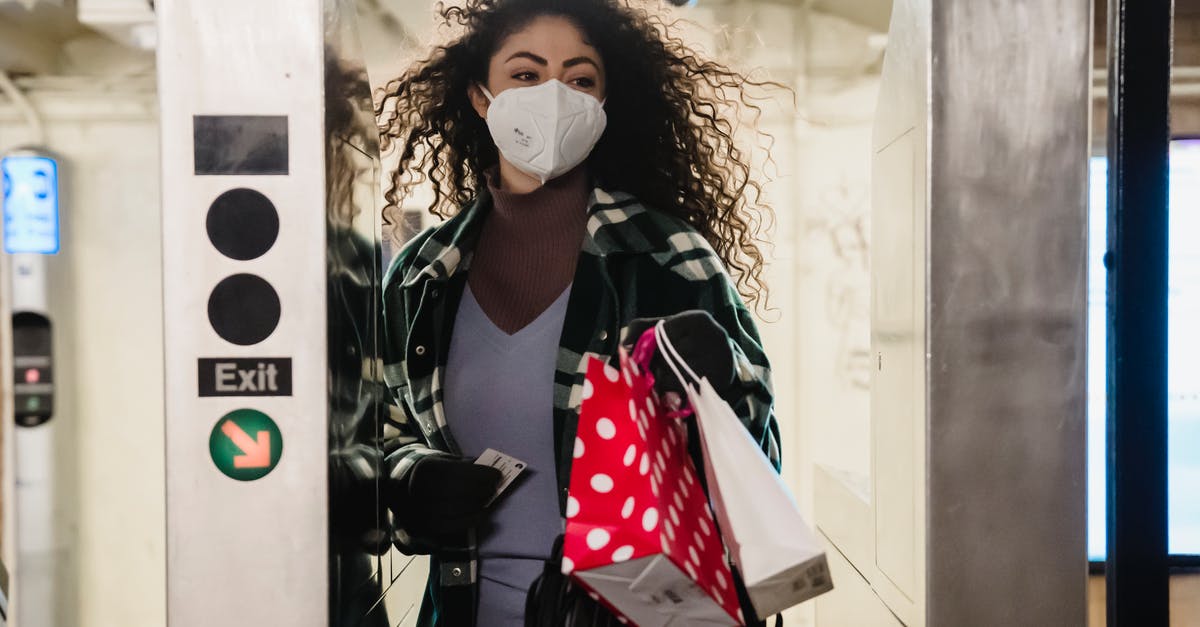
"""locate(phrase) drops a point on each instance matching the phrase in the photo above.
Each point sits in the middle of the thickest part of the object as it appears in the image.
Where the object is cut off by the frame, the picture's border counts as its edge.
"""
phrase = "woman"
(594, 187)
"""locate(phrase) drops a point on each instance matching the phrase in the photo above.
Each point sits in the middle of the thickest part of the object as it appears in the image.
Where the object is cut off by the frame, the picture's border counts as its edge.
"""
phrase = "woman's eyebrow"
(528, 55)
(580, 60)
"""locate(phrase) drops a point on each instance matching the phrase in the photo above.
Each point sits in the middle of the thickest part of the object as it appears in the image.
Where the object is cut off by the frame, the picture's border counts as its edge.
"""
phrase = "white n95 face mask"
(545, 130)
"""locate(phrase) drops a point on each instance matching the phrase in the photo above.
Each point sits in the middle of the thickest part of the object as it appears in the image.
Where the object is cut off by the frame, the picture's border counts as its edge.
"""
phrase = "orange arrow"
(256, 453)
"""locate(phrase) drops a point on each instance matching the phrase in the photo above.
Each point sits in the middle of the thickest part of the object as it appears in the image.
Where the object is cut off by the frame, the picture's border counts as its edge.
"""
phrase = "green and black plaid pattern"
(634, 263)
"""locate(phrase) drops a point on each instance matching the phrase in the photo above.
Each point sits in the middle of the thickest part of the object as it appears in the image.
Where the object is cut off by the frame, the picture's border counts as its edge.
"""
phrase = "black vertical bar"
(1139, 41)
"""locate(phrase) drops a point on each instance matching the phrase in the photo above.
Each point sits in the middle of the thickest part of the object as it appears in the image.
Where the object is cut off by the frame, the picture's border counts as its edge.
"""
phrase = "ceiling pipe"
(22, 103)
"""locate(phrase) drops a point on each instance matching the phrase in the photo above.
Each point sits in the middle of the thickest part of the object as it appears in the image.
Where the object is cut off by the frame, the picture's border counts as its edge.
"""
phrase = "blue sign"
(30, 204)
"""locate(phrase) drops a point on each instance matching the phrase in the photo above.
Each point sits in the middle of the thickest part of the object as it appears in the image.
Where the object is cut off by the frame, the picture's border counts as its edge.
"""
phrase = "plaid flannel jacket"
(634, 263)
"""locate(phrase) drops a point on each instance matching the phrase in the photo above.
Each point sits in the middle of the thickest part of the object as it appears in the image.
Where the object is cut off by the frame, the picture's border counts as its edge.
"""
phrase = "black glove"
(700, 341)
(443, 496)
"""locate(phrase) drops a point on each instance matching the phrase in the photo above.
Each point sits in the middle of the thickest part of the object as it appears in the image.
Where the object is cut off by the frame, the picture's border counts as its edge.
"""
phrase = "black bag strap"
(555, 601)
(458, 589)
(546, 603)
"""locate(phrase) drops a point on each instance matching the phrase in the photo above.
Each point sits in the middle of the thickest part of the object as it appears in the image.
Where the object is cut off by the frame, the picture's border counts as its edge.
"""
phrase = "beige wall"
(106, 301)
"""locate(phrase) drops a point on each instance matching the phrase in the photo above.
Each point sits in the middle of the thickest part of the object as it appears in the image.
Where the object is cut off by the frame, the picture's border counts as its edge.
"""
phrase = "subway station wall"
(106, 286)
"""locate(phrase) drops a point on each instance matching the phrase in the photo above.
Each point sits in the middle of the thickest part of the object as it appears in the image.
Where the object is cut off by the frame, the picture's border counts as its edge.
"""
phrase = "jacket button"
(603, 335)
(420, 350)
(456, 571)
(434, 293)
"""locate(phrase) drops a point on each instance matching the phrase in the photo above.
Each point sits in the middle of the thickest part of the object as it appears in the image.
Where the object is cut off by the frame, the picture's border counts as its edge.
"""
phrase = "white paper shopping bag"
(775, 551)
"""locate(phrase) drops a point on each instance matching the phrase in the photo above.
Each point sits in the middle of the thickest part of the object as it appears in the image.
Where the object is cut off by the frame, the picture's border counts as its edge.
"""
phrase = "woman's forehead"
(552, 37)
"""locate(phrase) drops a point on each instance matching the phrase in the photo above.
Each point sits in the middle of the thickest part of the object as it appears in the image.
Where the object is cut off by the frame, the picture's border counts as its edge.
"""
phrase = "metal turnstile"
(275, 411)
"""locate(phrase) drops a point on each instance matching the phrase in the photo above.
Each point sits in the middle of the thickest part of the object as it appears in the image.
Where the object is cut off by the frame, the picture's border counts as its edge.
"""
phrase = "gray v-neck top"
(499, 394)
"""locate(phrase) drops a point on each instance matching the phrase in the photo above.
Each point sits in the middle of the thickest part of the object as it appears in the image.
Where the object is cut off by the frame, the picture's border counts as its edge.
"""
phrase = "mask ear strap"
(485, 91)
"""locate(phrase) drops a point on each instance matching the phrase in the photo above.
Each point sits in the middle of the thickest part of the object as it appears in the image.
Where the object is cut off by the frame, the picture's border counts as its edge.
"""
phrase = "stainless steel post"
(271, 265)
(974, 513)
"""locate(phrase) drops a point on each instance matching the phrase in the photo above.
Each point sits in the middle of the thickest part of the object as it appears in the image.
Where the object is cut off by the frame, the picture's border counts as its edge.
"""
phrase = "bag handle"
(655, 339)
(671, 356)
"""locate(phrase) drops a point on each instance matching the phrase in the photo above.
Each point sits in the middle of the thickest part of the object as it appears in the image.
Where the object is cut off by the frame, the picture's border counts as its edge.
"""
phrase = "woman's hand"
(443, 496)
(700, 341)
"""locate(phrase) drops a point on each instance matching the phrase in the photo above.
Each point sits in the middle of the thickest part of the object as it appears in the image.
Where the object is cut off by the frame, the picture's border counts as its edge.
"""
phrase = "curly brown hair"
(672, 116)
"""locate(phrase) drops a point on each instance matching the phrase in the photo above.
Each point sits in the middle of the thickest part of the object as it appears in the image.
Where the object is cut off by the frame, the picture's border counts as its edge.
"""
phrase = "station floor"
(1185, 601)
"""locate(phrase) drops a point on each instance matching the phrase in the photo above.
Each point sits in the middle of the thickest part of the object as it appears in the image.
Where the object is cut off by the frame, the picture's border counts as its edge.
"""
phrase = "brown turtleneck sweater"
(527, 250)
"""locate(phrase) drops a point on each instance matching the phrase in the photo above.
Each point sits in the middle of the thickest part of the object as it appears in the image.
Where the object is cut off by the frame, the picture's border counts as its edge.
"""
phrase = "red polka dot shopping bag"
(640, 534)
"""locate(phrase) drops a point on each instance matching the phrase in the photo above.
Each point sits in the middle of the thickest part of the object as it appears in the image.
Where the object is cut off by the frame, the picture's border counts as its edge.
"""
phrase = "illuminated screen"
(30, 204)
(1183, 376)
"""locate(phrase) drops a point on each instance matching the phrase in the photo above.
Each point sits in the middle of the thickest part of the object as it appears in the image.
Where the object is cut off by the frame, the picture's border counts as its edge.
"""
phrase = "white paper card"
(510, 468)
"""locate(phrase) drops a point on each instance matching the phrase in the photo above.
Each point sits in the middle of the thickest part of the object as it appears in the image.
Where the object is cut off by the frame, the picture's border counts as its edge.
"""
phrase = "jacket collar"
(448, 247)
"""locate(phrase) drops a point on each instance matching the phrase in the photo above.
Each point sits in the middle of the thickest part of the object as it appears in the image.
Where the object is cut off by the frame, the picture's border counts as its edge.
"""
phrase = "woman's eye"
(525, 76)
(584, 82)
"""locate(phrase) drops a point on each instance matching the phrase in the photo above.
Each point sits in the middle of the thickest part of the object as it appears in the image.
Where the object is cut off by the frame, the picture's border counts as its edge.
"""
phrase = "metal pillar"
(1139, 41)
(974, 512)
(271, 272)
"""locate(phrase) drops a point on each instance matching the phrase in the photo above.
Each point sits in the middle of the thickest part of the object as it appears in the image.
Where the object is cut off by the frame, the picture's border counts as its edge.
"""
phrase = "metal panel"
(8, 488)
(899, 257)
(897, 389)
(1007, 303)
(257, 551)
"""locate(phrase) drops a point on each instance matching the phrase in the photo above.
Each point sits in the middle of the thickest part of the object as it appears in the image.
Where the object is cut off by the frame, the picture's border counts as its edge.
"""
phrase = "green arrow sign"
(245, 444)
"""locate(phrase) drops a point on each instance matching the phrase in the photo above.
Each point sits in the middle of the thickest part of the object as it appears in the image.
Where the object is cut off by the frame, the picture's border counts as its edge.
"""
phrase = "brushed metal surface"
(252, 553)
(1007, 312)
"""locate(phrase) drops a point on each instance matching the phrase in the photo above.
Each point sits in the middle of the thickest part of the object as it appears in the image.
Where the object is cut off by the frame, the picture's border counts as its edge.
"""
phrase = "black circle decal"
(243, 309)
(242, 224)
